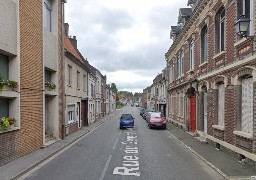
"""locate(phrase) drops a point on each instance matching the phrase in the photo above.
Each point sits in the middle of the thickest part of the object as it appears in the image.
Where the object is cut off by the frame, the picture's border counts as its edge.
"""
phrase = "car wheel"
(149, 126)
(121, 127)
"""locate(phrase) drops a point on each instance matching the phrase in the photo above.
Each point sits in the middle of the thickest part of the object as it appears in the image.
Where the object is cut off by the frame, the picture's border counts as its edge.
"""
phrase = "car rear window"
(126, 116)
(156, 115)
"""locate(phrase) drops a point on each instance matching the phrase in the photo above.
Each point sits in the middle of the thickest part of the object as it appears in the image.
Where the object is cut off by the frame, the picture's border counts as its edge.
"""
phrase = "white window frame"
(221, 104)
(47, 22)
(71, 113)
(181, 63)
(191, 55)
(222, 36)
(204, 45)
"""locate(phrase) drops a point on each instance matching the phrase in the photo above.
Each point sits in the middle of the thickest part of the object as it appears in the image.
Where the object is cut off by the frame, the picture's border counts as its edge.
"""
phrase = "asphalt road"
(109, 153)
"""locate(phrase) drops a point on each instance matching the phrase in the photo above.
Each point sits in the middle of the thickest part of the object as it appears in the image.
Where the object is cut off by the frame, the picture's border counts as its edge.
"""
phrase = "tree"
(114, 88)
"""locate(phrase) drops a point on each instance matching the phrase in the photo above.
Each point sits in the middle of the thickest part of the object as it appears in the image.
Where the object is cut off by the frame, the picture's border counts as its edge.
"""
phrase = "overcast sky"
(124, 39)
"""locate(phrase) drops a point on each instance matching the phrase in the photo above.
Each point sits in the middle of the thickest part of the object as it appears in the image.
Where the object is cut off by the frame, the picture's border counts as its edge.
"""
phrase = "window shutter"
(247, 105)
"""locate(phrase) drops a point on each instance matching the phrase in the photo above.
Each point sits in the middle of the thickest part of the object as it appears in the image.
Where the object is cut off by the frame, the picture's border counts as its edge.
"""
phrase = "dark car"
(156, 120)
(142, 111)
(126, 121)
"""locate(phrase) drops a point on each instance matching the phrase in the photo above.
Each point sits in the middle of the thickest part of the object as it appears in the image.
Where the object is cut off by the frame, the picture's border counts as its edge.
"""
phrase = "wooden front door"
(193, 113)
(84, 112)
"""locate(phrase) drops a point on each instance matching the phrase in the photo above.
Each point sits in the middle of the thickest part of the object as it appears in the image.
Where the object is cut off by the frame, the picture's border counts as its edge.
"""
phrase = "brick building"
(30, 54)
(211, 75)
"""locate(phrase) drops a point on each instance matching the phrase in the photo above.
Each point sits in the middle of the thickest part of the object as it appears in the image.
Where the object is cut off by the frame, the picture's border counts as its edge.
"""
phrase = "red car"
(156, 120)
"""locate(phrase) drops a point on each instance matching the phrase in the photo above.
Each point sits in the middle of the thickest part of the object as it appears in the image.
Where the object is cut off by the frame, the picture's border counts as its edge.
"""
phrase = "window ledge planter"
(49, 85)
(7, 123)
(8, 85)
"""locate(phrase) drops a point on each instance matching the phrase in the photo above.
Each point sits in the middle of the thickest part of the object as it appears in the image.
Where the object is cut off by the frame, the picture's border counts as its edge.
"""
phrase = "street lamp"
(242, 26)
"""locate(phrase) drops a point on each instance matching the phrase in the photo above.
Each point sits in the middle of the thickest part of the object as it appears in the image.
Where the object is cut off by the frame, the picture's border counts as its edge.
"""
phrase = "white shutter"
(247, 106)
(221, 104)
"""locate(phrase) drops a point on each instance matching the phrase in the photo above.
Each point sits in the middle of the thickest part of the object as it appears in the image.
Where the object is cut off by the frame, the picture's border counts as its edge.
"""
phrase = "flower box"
(6, 123)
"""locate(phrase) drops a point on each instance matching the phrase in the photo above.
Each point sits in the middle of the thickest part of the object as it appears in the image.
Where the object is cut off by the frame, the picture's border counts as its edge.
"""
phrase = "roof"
(185, 11)
(69, 47)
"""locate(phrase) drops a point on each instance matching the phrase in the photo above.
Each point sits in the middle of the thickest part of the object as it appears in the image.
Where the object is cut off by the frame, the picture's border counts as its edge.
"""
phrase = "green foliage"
(114, 88)
(126, 93)
(50, 85)
(12, 84)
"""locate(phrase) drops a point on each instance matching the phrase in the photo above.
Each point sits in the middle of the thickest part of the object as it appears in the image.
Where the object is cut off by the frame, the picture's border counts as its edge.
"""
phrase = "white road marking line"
(105, 168)
(114, 147)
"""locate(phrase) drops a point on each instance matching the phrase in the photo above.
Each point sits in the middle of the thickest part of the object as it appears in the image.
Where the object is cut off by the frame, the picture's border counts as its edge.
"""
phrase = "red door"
(193, 113)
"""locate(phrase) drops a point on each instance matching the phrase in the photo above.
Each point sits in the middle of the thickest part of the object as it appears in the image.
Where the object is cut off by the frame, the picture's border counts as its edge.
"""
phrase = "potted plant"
(9, 83)
(11, 121)
(50, 85)
(4, 123)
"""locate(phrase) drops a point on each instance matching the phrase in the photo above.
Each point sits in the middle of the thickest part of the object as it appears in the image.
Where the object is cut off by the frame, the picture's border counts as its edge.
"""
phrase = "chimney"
(66, 28)
(74, 41)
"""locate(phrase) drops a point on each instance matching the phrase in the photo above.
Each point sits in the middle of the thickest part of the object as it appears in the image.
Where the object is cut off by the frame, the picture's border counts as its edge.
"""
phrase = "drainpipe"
(63, 69)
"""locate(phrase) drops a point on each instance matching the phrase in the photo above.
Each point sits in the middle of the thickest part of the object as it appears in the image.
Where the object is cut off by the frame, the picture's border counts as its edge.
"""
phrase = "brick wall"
(229, 114)
(31, 79)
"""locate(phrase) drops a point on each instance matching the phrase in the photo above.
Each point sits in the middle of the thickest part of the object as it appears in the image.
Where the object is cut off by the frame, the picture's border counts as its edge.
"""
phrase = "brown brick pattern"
(31, 76)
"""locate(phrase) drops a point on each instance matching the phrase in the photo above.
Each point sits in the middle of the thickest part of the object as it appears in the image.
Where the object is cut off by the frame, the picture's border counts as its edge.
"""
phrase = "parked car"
(126, 120)
(137, 105)
(146, 114)
(156, 120)
(142, 111)
(132, 104)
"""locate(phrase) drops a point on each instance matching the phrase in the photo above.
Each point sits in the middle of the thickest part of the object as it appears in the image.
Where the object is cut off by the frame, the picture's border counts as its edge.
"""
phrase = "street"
(140, 153)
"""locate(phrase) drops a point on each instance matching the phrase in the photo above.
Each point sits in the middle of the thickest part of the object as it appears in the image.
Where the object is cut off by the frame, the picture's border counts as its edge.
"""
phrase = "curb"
(58, 150)
(201, 157)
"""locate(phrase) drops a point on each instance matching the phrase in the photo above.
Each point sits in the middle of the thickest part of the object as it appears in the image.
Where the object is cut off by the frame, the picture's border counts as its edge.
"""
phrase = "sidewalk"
(226, 165)
(21, 166)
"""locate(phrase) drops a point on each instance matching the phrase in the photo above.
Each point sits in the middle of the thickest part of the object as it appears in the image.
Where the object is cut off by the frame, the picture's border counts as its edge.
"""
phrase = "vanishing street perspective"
(126, 89)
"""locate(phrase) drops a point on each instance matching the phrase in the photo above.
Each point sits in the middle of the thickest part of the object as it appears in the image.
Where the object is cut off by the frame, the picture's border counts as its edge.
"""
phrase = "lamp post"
(242, 26)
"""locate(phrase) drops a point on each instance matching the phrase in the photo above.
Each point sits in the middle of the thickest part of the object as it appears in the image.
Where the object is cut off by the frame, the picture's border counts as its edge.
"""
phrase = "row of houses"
(208, 87)
(46, 84)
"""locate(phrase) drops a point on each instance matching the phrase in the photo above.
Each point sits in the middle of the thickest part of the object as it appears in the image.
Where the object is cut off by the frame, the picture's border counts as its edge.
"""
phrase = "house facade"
(211, 75)
(30, 51)
(92, 79)
(76, 86)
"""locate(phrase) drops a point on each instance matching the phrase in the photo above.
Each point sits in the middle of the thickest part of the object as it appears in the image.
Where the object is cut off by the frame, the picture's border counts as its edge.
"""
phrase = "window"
(4, 67)
(204, 45)
(78, 80)
(191, 55)
(221, 104)
(180, 62)
(71, 113)
(47, 76)
(220, 30)
(181, 104)
(170, 73)
(69, 75)
(4, 110)
(247, 105)
(92, 90)
(85, 82)
(48, 15)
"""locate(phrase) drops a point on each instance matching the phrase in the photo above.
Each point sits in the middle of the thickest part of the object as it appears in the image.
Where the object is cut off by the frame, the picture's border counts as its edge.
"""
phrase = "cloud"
(126, 40)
